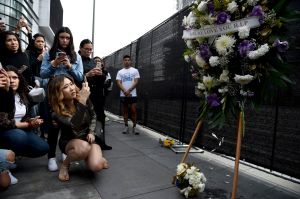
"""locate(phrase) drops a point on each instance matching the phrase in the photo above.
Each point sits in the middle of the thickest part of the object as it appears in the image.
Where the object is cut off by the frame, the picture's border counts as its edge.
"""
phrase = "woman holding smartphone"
(15, 123)
(61, 59)
(74, 113)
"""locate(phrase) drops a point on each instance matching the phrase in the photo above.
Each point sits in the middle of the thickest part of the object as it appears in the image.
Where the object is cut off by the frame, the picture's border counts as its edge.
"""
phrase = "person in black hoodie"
(11, 54)
(96, 78)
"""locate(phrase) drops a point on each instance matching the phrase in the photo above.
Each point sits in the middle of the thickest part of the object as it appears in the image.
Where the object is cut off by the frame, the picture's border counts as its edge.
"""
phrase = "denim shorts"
(4, 164)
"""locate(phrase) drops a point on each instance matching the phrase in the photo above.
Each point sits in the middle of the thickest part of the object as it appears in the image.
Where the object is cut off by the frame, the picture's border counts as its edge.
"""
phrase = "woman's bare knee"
(79, 146)
(97, 166)
(10, 156)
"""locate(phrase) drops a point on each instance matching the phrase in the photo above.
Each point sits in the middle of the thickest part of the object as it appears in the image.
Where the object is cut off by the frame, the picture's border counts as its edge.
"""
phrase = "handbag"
(37, 94)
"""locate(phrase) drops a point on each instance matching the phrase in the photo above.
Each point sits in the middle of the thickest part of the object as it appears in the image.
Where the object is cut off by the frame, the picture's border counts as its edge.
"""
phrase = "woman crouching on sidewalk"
(73, 112)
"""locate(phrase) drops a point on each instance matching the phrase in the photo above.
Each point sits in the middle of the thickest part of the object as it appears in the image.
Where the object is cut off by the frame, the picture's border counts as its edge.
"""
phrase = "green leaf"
(290, 15)
(280, 5)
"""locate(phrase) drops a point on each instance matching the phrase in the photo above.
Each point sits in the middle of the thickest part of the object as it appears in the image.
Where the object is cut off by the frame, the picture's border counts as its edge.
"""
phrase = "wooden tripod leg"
(237, 156)
(196, 132)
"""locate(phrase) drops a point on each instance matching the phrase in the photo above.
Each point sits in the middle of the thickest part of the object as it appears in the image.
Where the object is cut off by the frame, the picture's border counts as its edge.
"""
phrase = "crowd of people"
(71, 111)
(75, 84)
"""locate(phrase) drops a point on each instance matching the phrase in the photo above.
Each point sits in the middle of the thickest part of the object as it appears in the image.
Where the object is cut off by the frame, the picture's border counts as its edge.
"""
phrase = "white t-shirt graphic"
(127, 76)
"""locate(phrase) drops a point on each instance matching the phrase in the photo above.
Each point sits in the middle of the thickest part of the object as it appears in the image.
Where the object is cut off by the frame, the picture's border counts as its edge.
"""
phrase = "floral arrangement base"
(189, 180)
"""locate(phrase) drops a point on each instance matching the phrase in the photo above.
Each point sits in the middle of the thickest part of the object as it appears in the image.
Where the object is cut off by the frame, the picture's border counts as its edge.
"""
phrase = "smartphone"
(84, 79)
(60, 54)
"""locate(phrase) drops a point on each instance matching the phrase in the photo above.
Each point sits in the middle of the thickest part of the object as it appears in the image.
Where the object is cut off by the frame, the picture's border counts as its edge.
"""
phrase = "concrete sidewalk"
(141, 169)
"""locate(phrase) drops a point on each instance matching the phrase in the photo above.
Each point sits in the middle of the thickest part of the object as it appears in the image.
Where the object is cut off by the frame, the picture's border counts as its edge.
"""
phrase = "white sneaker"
(126, 130)
(13, 179)
(63, 157)
(52, 165)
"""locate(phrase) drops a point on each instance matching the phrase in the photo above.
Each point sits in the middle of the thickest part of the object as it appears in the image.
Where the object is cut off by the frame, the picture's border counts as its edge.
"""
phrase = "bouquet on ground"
(189, 180)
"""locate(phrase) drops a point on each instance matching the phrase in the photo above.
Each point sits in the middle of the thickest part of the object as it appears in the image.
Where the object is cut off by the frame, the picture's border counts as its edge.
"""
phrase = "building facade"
(44, 17)
(183, 3)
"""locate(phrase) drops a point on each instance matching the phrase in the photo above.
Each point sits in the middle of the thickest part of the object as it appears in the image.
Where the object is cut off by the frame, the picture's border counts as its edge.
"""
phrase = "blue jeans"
(23, 143)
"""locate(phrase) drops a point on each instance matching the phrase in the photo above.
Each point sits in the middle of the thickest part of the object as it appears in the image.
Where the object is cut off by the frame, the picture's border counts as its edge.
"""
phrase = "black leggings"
(52, 141)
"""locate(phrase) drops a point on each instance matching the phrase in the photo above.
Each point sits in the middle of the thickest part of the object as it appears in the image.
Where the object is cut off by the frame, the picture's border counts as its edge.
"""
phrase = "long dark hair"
(22, 89)
(70, 50)
(3, 49)
(31, 46)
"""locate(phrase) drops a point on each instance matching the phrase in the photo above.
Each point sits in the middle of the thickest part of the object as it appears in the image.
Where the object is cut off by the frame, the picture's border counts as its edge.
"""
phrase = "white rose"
(261, 51)
(202, 6)
(232, 7)
(243, 79)
(244, 32)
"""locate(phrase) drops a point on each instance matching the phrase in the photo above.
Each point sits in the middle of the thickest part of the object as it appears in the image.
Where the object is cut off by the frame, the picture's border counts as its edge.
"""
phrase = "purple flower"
(222, 17)
(244, 47)
(281, 46)
(258, 12)
(205, 52)
(213, 100)
(210, 7)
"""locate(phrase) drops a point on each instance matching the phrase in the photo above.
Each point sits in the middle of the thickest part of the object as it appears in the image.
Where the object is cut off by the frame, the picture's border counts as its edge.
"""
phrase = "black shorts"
(128, 100)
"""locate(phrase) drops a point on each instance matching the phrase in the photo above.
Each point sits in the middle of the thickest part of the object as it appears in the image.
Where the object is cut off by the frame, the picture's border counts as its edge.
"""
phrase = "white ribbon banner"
(212, 30)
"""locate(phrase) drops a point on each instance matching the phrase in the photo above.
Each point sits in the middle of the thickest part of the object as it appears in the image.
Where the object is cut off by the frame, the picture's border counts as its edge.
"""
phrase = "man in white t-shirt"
(127, 80)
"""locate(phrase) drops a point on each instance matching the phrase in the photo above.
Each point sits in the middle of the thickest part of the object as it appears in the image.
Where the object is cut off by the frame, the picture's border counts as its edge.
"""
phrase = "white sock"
(13, 179)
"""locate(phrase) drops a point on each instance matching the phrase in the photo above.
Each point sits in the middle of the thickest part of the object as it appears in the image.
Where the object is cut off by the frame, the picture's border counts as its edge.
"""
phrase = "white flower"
(232, 7)
(224, 44)
(191, 19)
(184, 21)
(203, 178)
(201, 187)
(201, 86)
(223, 90)
(244, 32)
(224, 76)
(243, 79)
(202, 6)
(181, 168)
(252, 2)
(199, 60)
(186, 191)
(187, 58)
(211, 19)
(208, 81)
(246, 93)
(261, 51)
(214, 61)
(189, 44)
